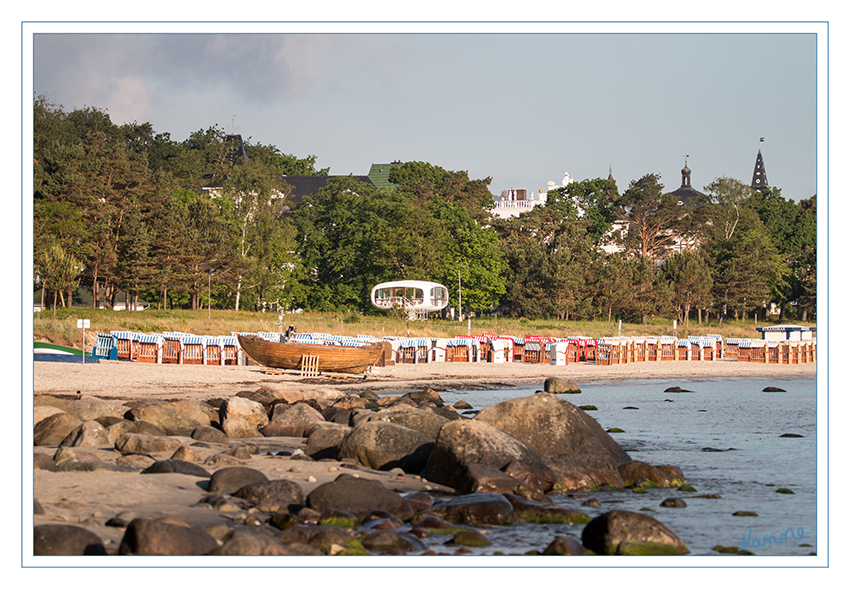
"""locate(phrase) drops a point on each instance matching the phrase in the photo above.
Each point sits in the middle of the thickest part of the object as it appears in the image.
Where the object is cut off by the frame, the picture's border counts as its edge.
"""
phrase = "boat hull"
(352, 360)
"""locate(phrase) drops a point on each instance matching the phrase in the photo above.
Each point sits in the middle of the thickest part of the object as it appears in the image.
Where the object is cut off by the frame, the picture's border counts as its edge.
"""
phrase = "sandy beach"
(133, 381)
(91, 498)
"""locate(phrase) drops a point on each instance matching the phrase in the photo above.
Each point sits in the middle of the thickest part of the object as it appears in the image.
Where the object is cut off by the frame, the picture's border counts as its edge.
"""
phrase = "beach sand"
(90, 499)
(135, 381)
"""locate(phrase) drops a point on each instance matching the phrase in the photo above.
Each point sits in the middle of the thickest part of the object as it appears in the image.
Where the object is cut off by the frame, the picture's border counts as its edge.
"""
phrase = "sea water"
(727, 437)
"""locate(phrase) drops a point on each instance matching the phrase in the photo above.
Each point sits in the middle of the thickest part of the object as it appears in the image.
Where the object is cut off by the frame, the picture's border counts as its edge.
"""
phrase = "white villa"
(520, 200)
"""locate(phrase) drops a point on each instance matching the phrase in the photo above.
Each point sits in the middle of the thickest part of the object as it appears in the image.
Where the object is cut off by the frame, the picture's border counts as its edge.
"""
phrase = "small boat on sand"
(332, 358)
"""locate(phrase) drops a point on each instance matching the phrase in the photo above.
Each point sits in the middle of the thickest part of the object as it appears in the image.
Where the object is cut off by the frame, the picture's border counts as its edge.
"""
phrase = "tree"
(747, 269)
(342, 233)
(59, 272)
(613, 287)
(652, 216)
(590, 200)
(424, 181)
(729, 198)
(690, 280)
(472, 253)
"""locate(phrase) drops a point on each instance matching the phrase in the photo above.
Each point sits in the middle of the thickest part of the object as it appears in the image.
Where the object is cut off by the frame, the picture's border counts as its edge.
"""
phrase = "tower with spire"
(759, 175)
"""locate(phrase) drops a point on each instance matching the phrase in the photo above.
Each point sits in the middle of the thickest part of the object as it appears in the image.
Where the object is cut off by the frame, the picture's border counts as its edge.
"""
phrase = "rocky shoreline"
(377, 466)
(278, 471)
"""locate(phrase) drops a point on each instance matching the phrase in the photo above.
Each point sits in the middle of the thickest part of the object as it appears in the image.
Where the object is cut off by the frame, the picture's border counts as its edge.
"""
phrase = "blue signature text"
(789, 534)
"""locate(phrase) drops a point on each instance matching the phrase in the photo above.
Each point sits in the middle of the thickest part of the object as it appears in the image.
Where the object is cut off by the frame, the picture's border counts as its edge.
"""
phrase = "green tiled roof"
(379, 174)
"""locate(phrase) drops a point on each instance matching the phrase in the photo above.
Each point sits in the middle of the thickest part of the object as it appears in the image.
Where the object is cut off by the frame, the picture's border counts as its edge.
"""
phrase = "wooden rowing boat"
(332, 358)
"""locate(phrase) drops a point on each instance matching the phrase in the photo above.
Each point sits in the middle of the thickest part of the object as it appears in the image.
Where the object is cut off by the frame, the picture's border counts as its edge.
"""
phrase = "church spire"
(759, 175)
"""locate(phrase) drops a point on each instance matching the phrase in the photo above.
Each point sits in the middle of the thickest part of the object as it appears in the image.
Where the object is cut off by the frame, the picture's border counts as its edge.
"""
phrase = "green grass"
(62, 329)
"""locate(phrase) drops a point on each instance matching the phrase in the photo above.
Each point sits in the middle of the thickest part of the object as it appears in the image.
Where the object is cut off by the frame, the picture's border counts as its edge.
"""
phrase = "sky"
(520, 108)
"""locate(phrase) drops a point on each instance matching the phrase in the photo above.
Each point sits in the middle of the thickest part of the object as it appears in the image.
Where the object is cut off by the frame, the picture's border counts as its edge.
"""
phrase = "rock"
(570, 442)
(471, 441)
(203, 413)
(43, 461)
(186, 454)
(469, 538)
(476, 509)
(229, 480)
(256, 492)
(291, 420)
(676, 390)
(323, 439)
(426, 396)
(176, 466)
(44, 411)
(249, 542)
(535, 512)
(267, 397)
(565, 546)
(350, 402)
(145, 444)
(358, 497)
(791, 436)
(68, 454)
(384, 445)
(52, 430)
(634, 471)
(560, 386)
(62, 540)
(325, 395)
(605, 534)
(93, 409)
(674, 473)
(239, 427)
(338, 518)
(384, 540)
(209, 434)
(89, 434)
(773, 390)
(49, 401)
(253, 413)
(673, 502)
(165, 418)
(480, 478)
(462, 405)
(421, 420)
(149, 537)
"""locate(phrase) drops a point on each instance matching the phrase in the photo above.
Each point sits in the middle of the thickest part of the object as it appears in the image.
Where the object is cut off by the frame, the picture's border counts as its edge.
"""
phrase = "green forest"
(194, 224)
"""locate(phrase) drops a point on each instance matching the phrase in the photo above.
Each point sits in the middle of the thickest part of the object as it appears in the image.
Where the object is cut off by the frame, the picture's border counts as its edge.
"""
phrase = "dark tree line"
(192, 223)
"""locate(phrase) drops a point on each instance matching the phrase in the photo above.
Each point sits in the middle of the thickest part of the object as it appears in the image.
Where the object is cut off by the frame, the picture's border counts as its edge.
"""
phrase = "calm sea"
(726, 435)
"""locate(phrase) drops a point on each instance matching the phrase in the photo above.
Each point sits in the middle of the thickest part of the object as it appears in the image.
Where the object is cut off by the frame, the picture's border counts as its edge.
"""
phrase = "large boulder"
(626, 532)
(476, 509)
(560, 386)
(572, 444)
(89, 434)
(52, 430)
(130, 443)
(383, 446)
(291, 420)
(90, 408)
(229, 480)
(324, 438)
(463, 442)
(203, 413)
(63, 540)
(358, 497)
(155, 537)
(48, 401)
(165, 418)
(238, 407)
(423, 420)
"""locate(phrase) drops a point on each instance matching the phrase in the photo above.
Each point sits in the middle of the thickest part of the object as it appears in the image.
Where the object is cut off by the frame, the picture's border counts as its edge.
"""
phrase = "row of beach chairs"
(184, 348)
